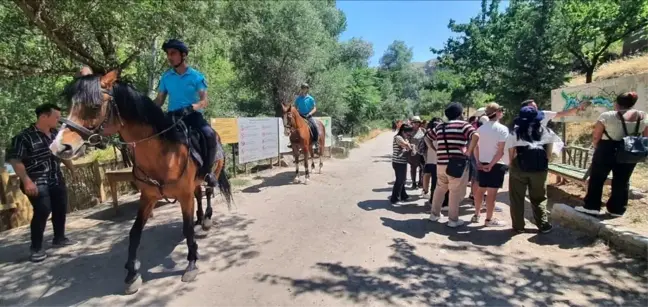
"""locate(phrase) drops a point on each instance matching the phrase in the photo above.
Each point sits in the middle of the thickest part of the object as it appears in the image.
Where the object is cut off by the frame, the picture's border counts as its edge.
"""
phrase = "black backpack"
(633, 148)
(532, 158)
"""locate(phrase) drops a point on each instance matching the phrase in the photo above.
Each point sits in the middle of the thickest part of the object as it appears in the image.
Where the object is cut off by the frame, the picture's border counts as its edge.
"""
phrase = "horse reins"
(90, 134)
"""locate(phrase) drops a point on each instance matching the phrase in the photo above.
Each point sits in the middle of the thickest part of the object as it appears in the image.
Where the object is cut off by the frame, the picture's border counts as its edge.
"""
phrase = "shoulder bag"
(456, 165)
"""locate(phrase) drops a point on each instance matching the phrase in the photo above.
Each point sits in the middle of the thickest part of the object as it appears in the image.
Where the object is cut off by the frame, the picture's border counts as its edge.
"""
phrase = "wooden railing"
(86, 186)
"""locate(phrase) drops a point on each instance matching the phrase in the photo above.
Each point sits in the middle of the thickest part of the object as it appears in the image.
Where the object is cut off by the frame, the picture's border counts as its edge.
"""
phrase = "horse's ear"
(109, 79)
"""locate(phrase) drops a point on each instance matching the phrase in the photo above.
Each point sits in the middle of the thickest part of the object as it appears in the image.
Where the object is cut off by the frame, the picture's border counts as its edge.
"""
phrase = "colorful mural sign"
(601, 96)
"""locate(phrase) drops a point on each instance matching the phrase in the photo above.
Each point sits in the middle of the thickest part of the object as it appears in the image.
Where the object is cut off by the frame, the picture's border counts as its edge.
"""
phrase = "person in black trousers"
(609, 131)
(401, 150)
(41, 178)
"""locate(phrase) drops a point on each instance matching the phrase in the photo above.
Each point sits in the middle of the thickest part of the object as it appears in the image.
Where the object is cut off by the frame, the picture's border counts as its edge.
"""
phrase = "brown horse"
(300, 139)
(162, 163)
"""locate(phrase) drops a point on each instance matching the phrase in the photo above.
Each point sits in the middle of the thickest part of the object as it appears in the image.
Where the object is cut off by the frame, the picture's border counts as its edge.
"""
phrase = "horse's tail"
(223, 182)
(219, 171)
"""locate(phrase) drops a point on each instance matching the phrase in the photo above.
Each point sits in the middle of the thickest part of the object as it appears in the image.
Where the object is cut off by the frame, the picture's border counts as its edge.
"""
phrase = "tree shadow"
(93, 269)
(479, 235)
(385, 204)
(521, 279)
(276, 180)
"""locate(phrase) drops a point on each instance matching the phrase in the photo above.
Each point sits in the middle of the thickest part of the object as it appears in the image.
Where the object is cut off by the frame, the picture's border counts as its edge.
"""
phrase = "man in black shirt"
(41, 178)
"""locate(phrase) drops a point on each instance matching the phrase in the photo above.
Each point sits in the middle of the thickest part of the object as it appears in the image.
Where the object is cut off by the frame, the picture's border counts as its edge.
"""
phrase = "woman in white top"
(607, 139)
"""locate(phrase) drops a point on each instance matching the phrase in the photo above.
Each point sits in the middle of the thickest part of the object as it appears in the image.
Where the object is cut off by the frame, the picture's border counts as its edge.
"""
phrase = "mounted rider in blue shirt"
(305, 104)
(187, 91)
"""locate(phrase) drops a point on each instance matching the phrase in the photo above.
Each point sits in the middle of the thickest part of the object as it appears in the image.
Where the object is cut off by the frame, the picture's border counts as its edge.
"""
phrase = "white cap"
(480, 112)
(415, 118)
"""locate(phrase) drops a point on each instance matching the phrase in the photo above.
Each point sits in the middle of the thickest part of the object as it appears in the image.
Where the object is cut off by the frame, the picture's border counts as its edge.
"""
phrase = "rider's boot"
(208, 165)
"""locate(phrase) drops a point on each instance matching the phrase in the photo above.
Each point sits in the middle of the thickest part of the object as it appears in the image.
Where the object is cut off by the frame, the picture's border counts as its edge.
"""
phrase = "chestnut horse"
(162, 163)
(298, 129)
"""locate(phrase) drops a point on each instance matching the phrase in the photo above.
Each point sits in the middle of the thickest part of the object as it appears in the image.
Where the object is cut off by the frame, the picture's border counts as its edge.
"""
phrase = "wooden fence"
(87, 186)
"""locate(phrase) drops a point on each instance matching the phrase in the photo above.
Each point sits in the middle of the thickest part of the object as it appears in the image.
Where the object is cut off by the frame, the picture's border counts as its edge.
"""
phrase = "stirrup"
(210, 180)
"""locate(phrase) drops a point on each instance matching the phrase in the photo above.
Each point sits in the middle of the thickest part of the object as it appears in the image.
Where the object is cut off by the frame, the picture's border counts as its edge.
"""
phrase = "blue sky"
(421, 24)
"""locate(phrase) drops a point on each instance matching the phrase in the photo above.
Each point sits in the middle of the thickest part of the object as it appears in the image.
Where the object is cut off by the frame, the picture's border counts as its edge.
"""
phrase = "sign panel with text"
(258, 138)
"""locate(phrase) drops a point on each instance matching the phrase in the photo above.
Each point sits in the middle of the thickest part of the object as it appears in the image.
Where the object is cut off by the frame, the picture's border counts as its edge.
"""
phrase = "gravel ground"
(334, 242)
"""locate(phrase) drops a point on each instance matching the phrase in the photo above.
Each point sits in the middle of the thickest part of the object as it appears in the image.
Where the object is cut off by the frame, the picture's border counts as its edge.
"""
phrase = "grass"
(623, 67)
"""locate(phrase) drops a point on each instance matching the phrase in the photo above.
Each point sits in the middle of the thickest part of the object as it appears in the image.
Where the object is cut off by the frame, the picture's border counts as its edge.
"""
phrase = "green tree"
(589, 28)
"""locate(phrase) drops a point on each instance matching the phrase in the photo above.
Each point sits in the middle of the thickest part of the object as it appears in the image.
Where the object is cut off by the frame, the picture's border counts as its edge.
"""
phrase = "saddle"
(196, 141)
(314, 131)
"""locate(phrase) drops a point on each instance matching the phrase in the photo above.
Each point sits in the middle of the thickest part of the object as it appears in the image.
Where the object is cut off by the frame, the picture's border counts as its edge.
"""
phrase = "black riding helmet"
(175, 44)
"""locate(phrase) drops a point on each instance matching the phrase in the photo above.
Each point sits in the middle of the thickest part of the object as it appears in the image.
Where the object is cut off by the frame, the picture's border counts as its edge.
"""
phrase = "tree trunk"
(588, 74)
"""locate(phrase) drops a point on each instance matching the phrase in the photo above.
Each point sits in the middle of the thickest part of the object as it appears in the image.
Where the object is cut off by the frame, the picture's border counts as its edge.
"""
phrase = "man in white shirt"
(490, 165)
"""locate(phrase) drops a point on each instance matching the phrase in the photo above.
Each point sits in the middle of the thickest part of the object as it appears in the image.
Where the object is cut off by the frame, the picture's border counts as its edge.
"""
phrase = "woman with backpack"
(614, 129)
(529, 147)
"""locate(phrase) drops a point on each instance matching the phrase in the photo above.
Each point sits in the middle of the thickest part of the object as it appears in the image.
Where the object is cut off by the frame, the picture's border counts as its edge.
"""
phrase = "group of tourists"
(480, 153)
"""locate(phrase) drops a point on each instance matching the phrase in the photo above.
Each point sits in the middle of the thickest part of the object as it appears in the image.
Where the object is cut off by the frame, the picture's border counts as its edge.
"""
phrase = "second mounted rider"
(186, 89)
(305, 104)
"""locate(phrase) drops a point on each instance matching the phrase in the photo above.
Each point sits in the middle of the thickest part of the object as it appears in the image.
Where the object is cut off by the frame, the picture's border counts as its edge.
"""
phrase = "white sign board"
(602, 95)
(258, 138)
(284, 140)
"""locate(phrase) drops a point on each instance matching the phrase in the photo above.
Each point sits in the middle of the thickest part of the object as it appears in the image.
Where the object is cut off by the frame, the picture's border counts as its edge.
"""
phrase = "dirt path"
(334, 242)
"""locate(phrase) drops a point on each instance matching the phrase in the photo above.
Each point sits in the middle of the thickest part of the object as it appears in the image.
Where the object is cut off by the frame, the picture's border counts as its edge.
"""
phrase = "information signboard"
(227, 128)
(257, 138)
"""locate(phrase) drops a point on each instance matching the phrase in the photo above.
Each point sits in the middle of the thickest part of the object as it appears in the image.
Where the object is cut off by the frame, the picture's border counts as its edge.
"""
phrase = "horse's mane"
(133, 106)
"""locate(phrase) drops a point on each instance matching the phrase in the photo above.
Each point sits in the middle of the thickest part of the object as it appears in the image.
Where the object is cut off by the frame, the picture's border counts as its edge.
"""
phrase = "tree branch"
(8, 71)
(62, 38)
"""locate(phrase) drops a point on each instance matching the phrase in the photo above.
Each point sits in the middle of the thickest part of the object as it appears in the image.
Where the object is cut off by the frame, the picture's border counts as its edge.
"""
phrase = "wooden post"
(98, 177)
(234, 159)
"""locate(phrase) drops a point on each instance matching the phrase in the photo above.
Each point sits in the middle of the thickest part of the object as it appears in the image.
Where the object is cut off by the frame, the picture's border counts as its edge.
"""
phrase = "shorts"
(493, 179)
(429, 168)
(472, 169)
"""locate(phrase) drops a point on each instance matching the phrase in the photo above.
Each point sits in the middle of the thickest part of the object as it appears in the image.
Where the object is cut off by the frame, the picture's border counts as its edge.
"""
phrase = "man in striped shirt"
(454, 139)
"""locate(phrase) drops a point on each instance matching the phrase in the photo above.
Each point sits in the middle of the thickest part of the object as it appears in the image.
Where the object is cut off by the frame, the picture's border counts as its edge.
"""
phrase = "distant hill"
(428, 66)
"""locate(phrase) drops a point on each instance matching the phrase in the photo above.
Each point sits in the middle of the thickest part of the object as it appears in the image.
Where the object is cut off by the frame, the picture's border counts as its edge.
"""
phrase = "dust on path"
(334, 242)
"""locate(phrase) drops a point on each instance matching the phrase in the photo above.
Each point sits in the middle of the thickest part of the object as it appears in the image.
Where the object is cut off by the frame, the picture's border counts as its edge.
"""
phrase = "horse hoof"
(197, 228)
(206, 224)
(296, 180)
(190, 274)
(306, 181)
(133, 287)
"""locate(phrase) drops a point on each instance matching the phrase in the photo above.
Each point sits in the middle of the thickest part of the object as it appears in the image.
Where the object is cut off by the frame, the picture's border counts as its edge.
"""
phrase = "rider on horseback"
(305, 104)
(187, 91)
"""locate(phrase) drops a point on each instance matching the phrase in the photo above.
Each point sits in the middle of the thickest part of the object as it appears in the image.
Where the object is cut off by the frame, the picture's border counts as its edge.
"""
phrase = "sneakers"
(546, 229)
(587, 211)
(63, 242)
(37, 256)
(475, 219)
(494, 223)
(434, 218)
(456, 223)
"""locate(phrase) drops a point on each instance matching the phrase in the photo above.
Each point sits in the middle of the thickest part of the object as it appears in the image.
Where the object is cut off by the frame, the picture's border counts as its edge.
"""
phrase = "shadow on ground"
(93, 269)
(276, 180)
(528, 279)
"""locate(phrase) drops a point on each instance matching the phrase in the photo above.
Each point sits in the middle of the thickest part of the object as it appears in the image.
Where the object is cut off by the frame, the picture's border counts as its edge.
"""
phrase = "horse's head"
(91, 115)
(288, 118)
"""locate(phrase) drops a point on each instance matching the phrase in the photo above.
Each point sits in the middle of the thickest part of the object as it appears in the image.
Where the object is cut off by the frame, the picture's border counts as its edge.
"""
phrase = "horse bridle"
(94, 136)
(287, 124)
